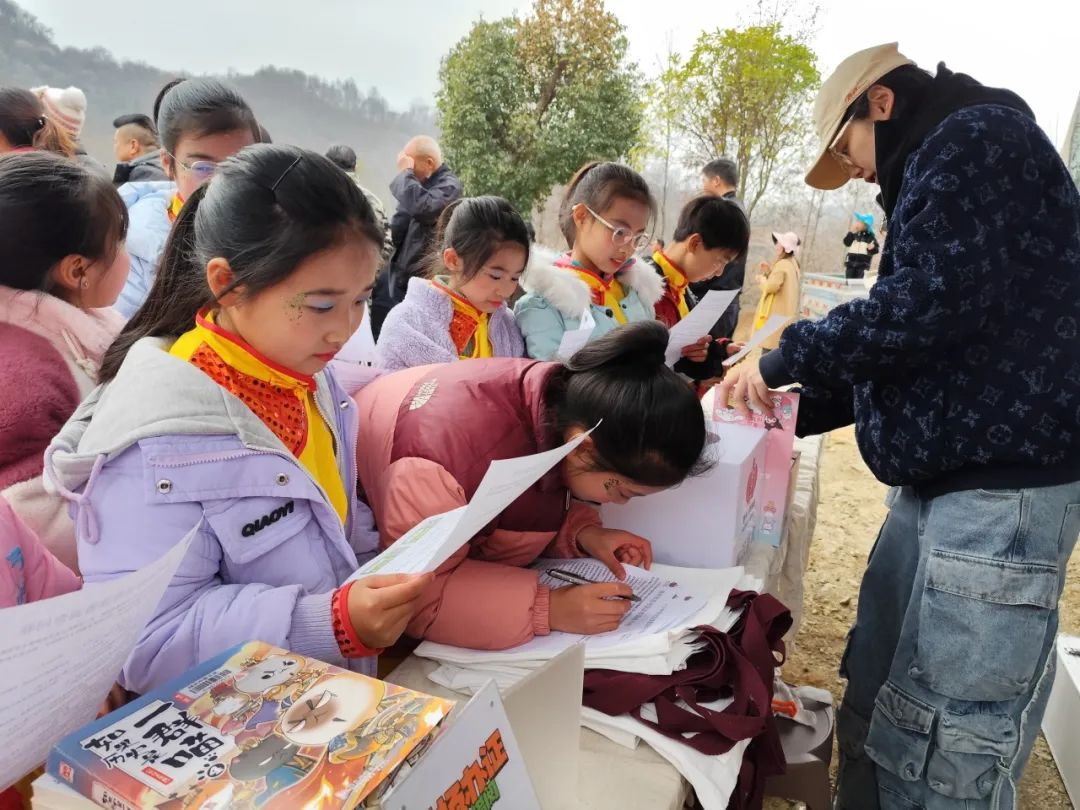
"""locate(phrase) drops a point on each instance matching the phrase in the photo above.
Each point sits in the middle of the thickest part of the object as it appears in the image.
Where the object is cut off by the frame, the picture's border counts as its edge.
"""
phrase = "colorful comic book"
(256, 728)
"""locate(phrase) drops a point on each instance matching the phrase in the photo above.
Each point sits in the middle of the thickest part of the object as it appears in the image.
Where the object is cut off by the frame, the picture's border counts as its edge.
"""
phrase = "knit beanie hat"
(67, 107)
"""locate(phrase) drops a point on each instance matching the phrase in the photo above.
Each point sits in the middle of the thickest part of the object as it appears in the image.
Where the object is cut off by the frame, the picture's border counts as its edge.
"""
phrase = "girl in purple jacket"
(460, 312)
(217, 420)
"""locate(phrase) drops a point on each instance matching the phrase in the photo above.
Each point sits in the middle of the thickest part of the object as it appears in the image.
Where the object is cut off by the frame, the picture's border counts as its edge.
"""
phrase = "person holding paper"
(710, 234)
(460, 312)
(604, 218)
(217, 416)
(427, 436)
(961, 373)
(781, 286)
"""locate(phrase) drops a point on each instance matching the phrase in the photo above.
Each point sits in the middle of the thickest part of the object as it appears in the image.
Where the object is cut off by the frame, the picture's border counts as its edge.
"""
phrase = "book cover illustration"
(257, 728)
(779, 443)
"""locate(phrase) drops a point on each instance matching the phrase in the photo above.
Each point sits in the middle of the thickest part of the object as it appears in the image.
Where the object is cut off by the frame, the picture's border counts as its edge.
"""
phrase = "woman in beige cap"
(961, 373)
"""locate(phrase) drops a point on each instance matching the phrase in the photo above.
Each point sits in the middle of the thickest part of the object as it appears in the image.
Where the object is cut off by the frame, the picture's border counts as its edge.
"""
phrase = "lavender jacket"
(417, 331)
(162, 450)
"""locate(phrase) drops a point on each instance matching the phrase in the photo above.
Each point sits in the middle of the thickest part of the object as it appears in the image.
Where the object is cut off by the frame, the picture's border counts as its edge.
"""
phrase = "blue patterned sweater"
(962, 368)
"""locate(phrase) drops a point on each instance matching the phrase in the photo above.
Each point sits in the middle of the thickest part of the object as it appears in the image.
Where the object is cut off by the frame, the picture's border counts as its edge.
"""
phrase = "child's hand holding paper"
(698, 352)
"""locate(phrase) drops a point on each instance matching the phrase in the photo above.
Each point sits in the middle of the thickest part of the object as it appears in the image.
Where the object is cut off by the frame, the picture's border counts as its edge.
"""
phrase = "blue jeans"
(949, 663)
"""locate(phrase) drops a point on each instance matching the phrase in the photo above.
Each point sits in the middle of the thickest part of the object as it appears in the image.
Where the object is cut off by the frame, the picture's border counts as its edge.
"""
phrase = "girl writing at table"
(427, 436)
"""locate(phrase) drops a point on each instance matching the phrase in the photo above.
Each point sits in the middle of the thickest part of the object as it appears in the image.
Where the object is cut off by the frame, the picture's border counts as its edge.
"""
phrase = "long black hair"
(199, 107)
(476, 227)
(265, 211)
(598, 184)
(653, 429)
(25, 125)
(52, 207)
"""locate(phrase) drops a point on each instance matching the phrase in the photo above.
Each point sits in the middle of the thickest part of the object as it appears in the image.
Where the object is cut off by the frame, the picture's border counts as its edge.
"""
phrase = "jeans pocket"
(968, 747)
(899, 737)
(982, 626)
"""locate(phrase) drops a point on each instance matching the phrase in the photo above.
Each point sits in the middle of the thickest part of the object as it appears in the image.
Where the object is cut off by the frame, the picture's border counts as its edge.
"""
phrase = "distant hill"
(296, 108)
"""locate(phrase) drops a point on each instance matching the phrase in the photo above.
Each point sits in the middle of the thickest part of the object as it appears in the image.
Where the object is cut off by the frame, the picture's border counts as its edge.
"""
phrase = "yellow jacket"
(780, 293)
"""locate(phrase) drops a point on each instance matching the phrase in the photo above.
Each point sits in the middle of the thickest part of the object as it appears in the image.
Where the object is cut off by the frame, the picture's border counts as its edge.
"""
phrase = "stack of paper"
(657, 641)
(655, 638)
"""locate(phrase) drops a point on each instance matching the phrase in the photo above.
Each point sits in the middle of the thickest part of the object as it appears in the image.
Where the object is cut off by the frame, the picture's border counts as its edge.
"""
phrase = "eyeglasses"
(621, 237)
(841, 155)
(202, 169)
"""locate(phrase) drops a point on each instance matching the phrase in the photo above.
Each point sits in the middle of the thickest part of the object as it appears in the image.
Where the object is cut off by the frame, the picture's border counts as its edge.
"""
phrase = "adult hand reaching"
(744, 386)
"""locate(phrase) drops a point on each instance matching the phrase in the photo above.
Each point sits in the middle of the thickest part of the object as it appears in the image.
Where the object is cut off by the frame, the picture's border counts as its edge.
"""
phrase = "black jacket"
(413, 224)
(145, 167)
(961, 370)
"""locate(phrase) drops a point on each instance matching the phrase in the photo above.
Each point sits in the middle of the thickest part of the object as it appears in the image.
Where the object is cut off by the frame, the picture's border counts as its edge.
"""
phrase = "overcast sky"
(396, 46)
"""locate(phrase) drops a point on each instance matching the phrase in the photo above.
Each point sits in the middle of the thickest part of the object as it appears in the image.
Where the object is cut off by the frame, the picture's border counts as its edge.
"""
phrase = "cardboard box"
(708, 521)
(1062, 718)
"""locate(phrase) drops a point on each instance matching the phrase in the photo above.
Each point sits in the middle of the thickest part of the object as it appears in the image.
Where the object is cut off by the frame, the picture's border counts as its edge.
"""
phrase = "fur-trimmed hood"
(565, 291)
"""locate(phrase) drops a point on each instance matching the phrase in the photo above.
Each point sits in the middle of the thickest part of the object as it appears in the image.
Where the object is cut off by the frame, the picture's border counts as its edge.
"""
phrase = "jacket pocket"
(968, 749)
(899, 737)
(249, 528)
(982, 625)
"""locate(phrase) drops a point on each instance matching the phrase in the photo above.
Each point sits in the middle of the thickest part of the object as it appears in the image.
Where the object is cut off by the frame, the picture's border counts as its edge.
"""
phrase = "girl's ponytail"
(179, 292)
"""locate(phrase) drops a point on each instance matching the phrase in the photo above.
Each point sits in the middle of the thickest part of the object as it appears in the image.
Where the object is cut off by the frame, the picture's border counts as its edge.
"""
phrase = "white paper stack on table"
(658, 640)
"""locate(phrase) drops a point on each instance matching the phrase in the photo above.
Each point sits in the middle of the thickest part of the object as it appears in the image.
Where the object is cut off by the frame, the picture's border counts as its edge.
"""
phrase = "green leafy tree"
(745, 94)
(523, 103)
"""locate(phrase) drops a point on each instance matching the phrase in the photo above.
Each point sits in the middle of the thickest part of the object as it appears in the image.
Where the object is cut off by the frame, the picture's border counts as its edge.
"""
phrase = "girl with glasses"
(604, 218)
(200, 122)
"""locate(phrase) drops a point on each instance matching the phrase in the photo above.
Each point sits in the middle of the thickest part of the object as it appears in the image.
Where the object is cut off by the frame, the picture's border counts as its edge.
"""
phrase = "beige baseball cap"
(853, 77)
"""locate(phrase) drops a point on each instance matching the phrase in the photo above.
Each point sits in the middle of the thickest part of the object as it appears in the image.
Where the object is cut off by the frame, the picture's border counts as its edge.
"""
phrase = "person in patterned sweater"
(961, 372)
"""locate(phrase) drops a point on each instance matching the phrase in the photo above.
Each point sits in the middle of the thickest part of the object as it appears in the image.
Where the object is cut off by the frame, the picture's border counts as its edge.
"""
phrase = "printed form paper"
(697, 324)
(575, 339)
(434, 540)
(59, 657)
(770, 326)
(664, 605)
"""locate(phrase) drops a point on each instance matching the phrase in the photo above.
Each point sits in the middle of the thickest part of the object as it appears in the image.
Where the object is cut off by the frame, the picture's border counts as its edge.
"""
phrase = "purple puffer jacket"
(417, 331)
(163, 450)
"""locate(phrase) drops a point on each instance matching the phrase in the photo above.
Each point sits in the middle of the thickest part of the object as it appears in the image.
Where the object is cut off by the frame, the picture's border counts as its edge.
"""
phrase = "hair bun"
(641, 345)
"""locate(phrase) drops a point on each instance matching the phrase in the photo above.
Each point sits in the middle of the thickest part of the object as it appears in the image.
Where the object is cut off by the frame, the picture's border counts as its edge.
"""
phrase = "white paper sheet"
(435, 539)
(697, 324)
(775, 323)
(59, 657)
(575, 339)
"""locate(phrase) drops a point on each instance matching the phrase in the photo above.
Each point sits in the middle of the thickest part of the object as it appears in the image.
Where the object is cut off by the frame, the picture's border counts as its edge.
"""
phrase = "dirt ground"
(850, 512)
